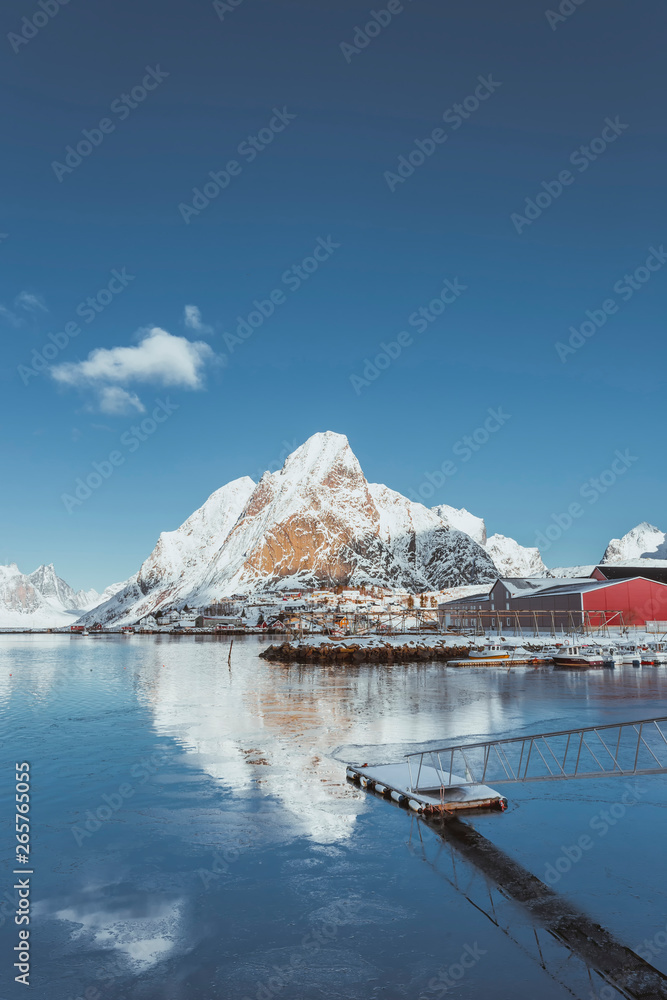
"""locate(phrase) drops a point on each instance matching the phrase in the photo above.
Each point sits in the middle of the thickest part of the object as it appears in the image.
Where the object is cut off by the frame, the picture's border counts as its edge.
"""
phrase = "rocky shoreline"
(354, 652)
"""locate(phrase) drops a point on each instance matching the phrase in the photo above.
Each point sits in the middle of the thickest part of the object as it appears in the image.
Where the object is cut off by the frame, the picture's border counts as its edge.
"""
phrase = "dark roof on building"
(648, 572)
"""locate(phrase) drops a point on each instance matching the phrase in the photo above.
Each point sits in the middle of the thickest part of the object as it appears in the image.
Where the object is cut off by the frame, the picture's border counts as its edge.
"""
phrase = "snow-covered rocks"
(462, 520)
(509, 557)
(512, 559)
(571, 572)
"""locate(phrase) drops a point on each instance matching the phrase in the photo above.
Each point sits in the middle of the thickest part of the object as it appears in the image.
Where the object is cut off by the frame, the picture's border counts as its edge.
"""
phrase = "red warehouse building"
(625, 601)
(640, 600)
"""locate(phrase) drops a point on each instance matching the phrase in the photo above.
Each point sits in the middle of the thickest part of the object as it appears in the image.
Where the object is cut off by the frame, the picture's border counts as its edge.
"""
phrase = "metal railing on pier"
(623, 749)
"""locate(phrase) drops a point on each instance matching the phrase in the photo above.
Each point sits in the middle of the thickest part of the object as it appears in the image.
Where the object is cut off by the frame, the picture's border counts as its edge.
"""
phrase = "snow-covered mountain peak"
(644, 541)
(316, 522)
(322, 456)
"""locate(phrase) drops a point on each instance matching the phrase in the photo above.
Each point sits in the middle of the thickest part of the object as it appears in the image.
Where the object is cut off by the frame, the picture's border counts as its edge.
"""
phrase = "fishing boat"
(491, 652)
(610, 657)
(654, 654)
(629, 653)
(579, 657)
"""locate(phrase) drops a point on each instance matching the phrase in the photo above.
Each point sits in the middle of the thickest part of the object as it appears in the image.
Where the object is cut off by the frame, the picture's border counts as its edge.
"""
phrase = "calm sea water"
(194, 835)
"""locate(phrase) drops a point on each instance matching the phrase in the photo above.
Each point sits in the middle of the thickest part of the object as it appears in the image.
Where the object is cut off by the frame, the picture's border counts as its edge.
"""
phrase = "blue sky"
(201, 79)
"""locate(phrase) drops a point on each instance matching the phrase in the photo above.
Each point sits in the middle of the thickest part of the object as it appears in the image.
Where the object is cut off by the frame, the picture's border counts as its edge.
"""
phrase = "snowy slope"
(512, 559)
(462, 520)
(442, 555)
(181, 556)
(509, 557)
(179, 560)
(95, 599)
(316, 522)
(643, 542)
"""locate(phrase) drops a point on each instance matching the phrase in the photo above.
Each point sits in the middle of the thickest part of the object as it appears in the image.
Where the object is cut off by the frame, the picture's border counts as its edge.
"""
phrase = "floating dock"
(427, 795)
(509, 661)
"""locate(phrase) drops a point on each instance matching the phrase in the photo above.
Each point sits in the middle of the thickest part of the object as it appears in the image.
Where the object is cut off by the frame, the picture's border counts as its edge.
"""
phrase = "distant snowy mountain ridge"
(42, 599)
(643, 542)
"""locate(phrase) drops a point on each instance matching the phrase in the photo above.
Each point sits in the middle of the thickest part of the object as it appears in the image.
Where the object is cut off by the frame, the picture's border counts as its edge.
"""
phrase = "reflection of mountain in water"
(247, 732)
(274, 729)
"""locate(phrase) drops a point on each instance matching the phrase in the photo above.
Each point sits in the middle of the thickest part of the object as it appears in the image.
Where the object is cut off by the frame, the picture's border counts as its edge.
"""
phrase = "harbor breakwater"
(359, 652)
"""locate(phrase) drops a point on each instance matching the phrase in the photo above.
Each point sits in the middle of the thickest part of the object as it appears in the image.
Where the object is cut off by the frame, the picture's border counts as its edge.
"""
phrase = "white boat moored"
(579, 656)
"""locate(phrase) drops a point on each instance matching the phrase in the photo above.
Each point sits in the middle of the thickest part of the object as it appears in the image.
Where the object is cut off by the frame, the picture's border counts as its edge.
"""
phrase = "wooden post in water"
(229, 657)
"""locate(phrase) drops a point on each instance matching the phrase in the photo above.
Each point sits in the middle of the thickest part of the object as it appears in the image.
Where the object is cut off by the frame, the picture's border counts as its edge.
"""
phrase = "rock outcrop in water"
(349, 653)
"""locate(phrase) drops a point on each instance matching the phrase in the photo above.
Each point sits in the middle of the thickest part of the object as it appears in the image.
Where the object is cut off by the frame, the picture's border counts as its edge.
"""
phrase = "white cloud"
(30, 302)
(118, 401)
(11, 317)
(25, 301)
(159, 359)
(193, 320)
